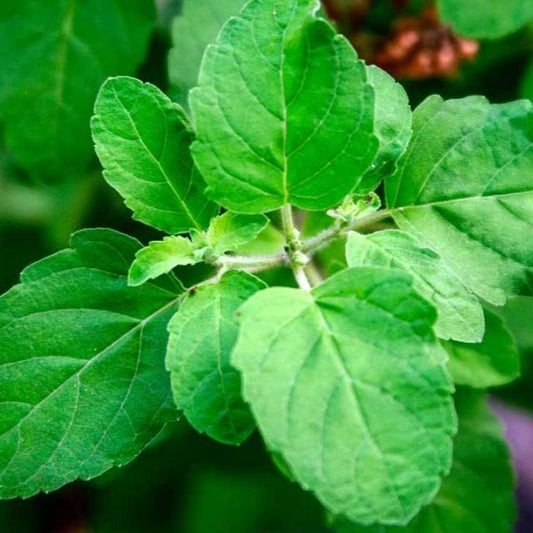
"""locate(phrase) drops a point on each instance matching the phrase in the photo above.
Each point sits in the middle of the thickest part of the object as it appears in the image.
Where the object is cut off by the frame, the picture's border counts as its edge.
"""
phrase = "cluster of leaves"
(349, 382)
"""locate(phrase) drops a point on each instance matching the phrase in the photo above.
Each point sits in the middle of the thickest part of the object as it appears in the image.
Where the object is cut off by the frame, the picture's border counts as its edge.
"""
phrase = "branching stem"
(298, 253)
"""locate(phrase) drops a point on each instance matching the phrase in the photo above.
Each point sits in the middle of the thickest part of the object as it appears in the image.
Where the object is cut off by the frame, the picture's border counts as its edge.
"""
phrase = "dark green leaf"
(486, 19)
(492, 362)
(202, 334)
(55, 54)
(82, 381)
(195, 28)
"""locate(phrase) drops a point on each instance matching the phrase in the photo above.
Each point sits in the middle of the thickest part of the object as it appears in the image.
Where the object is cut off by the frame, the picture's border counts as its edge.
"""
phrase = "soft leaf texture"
(492, 362)
(202, 334)
(487, 19)
(460, 312)
(82, 384)
(477, 496)
(230, 231)
(300, 130)
(348, 383)
(196, 27)
(142, 140)
(160, 257)
(393, 121)
(55, 54)
(465, 188)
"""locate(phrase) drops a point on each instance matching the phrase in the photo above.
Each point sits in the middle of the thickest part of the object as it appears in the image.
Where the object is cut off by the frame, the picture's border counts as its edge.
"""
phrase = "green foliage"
(230, 231)
(142, 140)
(464, 187)
(460, 312)
(477, 496)
(486, 19)
(202, 334)
(196, 27)
(392, 125)
(348, 384)
(348, 377)
(54, 55)
(160, 257)
(492, 362)
(300, 131)
(82, 384)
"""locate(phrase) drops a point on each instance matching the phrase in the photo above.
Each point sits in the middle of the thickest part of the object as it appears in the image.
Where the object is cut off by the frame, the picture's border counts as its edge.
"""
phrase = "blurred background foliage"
(54, 55)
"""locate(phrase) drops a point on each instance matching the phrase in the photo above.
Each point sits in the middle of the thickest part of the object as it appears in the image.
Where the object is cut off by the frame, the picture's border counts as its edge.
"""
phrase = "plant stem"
(321, 240)
(294, 247)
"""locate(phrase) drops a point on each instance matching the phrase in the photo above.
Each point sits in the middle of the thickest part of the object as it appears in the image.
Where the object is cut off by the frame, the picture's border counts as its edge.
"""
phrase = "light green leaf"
(300, 130)
(202, 334)
(460, 312)
(82, 384)
(465, 189)
(195, 28)
(486, 19)
(478, 495)
(160, 257)
(348, 383)
(55, 54)
(494, 361)
(230, 231)
(142, 140)
(393, 126)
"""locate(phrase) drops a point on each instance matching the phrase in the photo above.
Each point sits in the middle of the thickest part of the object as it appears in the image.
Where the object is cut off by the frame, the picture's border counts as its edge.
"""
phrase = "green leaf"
(393, 126)
(460, 312)
(486, 19)
(478, 495)
(82, 384)
(195, 28)
(202, 334)
(348, 383)
(230, 231)
(160, 257)
(465, 189)
(55, 54)
(526, 87)
(494, 361)
(301, 129)
(142, 140)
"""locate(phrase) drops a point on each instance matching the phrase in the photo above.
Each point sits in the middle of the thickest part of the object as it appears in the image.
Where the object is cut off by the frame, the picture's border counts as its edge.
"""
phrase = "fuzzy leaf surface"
(196, 27)
(460, 312)
(160, 257)
(486, 19)
(230, 231)
(464, 188)
(82, 384)
(393, 126)
(202, 334)
(348, 384)
(143, 140)
(301, 129)
(478, 495)
(492, 362)
(55, 54)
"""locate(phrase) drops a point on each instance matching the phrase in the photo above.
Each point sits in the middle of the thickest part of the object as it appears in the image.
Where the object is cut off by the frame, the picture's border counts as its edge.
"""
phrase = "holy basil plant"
(349, 379)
